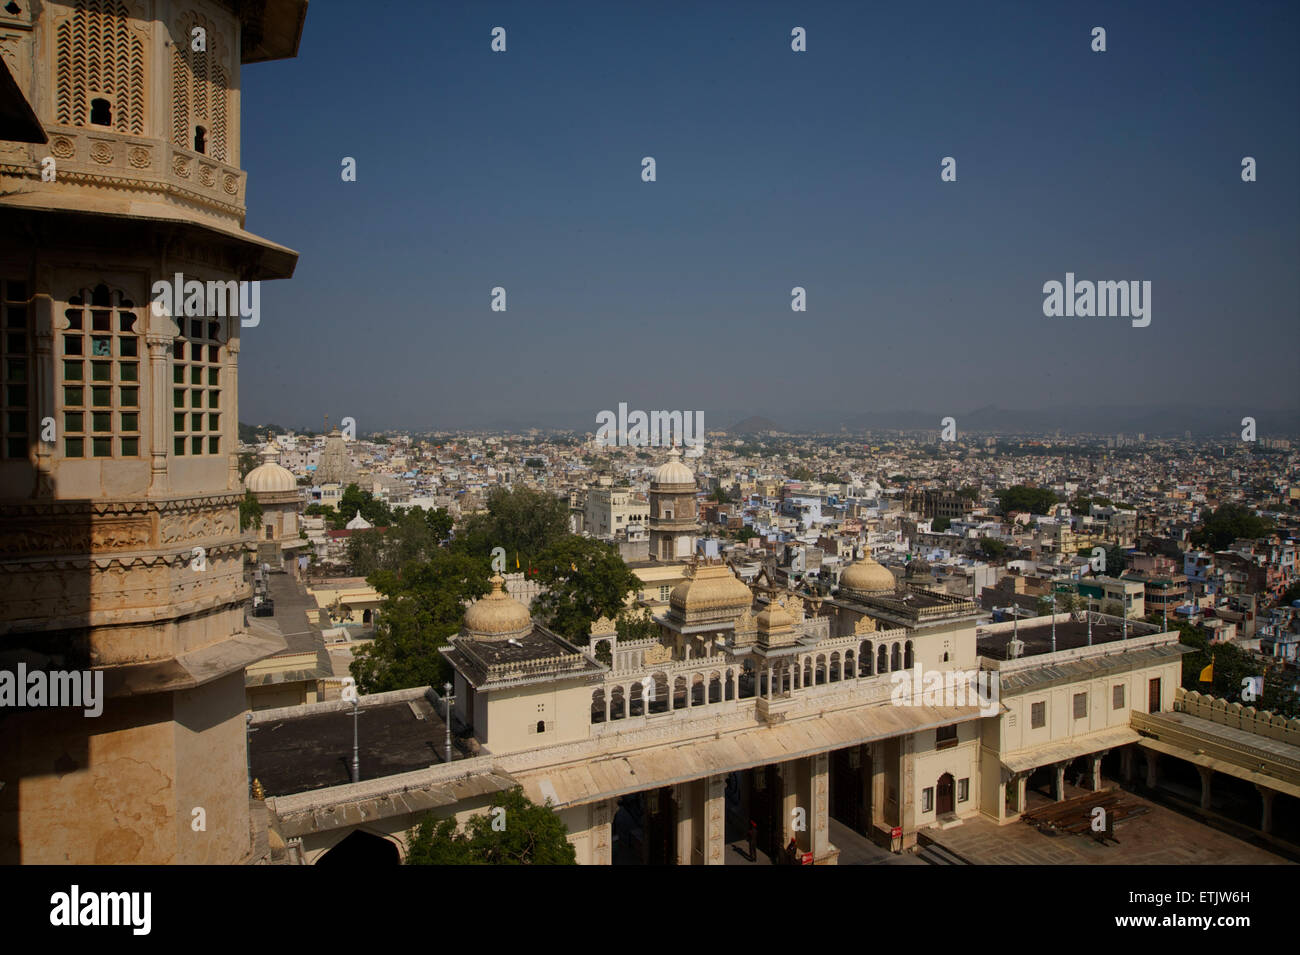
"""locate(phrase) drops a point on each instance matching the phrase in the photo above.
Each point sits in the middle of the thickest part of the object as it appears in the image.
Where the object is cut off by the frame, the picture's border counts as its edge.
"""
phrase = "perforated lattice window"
(196, 388)
(99, 363)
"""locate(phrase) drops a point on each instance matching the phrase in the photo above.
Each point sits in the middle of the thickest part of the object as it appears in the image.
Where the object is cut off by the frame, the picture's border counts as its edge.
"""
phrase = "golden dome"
(710, 588)
(867, 576)
(498, 614)
(673, 471)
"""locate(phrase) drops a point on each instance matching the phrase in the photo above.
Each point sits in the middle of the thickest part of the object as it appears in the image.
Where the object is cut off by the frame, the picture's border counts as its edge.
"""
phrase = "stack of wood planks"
(1079, 816)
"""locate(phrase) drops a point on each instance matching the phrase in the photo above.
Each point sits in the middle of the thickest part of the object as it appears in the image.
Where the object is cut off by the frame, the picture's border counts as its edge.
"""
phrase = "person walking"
(753, 841)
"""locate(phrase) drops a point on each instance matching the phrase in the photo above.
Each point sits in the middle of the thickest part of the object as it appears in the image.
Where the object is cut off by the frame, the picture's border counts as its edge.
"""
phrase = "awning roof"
(1070, 749)
(602, 778)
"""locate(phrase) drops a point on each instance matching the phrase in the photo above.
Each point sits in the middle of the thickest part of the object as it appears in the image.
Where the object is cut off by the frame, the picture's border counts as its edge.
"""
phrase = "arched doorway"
(360, 848)
(943, 795)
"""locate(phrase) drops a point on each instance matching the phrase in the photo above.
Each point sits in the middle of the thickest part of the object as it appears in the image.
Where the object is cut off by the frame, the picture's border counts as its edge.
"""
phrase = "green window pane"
(196, 422)
(178, 397)
(103, 447)
(16, 396)
(214, 399)
(72, 396)
(196, 376)
(102, 421)
(72, 421)
(214, 445)
(178, 350)
(213, 350)
(196, 397)
(101, 397)
(73, 448)
(178, 422)
(71, 344)
(101, 345)
(72, 371)
(178, 374)
(99, 321)
(16, 369)
(129, 371)
(130, 421)
(101, 371)
(178, 446)
(126, 346)
(130, 447)
(130, 397)
(214, 422)
(214, 376)
(196, 445)
(74, 317)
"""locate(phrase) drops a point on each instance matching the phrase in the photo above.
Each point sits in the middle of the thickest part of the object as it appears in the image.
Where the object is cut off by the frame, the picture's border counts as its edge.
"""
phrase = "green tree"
(250, 512)
(720, 496)
(423, 605)
(940, 524)
(1227, 523)
(585, 579)
(523, 521)
(992, 548)
(355, 500)
(1022, 497)
(830, 477)
(525, 834)
(801, 473)
(247, 461)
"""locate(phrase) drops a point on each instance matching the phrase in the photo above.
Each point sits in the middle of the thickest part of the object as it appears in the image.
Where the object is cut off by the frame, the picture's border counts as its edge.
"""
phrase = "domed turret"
(710, 592)
(498, 616)
(866, 576)
(270, 477)
(673, 471)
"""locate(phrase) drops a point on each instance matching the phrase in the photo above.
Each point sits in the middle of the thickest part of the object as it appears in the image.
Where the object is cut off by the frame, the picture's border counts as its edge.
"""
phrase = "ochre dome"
(270, 477)
(673, 471)
(867, 576)
(774, 618)
(498, 614)
(711, 587)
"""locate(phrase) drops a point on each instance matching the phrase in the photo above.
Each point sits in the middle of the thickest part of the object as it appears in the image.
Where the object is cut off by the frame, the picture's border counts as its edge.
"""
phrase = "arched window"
(101, 113)
(896, 658)
(200, 139)
(907, 656)
(541, 726)
(865, 658)
(882, 659)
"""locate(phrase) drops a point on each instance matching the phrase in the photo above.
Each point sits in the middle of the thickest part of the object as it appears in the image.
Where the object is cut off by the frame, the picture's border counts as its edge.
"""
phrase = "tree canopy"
(523, 521)
(1022, 497)
(1227, 523)
(584, 579)
(515, 831)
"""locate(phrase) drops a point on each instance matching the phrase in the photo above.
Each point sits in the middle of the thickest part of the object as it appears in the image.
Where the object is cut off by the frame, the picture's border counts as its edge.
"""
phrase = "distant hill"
(753, 425)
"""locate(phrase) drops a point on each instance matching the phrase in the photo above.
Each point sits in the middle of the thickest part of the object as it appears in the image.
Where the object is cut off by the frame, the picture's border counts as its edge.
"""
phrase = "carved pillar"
(602, 814)
(159, 340)
(1095, 760)
(715, 820)
(230, 405)
(1207, 778)
(1266, 820)
(1059, 790)
(820, 811)
(682, 800)
(43, 379)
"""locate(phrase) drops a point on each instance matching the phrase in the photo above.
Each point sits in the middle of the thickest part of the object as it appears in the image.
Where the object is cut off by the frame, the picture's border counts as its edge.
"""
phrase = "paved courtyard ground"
(1158, 836)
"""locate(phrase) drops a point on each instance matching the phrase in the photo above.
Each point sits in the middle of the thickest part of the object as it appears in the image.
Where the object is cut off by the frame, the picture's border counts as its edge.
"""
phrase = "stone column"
(44, 373)
(1022, 785)
(907, 791)
(1207, 777)
(230, 404)
(1266, 820)
(820, 811)
(682, 800)
(158, 343)
(715, 820)
(602, 814)
(1153, 767)
(1095, 760)
(1126, 763)
(789, 801)
(1059, 768)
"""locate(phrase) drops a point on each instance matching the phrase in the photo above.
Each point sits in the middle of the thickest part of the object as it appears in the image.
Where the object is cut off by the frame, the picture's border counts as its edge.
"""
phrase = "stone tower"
(673, 527)
(120, 546)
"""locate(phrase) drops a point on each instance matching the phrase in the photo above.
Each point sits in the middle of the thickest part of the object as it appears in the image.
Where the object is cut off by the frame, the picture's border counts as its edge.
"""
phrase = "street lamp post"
(356, 754)
(447, 698)
(248, 748)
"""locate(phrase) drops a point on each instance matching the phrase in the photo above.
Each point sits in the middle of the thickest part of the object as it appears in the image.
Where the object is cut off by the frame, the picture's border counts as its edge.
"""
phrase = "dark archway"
(360, 848)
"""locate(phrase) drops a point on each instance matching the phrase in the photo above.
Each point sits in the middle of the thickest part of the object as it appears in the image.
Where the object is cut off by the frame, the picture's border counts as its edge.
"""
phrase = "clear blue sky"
(775, 169)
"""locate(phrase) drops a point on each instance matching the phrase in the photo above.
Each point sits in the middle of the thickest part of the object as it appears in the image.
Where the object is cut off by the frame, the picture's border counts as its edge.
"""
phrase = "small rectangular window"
(73, 448)
(927, 799)
(1038, 716)
(1080, 705)
(1117, 697)
(963, 789)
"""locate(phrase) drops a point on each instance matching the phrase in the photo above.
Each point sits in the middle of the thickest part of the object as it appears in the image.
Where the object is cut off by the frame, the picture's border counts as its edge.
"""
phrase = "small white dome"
(673, 471)
(269, 477)
(359, 523)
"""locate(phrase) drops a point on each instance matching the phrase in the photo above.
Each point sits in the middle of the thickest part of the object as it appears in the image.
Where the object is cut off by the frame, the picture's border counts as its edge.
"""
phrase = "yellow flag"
(1207, 675)
(573, 567)
(516, 560)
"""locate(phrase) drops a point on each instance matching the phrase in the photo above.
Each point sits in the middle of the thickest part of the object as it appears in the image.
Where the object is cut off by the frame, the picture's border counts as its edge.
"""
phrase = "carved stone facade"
(120, 545)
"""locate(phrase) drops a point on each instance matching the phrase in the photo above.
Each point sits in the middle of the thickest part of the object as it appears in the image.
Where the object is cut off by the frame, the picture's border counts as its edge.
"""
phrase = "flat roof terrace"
(1036, 635)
